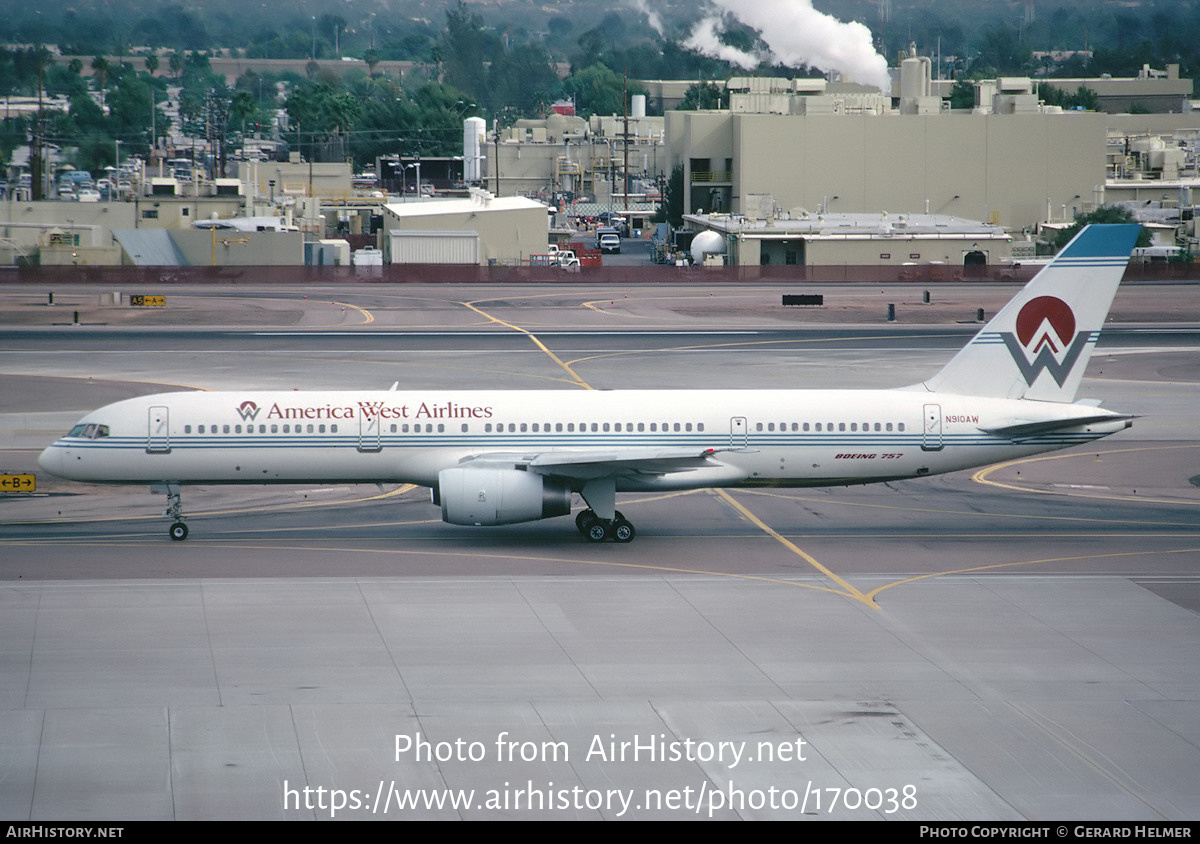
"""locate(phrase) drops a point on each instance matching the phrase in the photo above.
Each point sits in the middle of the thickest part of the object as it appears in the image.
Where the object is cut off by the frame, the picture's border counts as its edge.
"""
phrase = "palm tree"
(100, 71)
(242, 107)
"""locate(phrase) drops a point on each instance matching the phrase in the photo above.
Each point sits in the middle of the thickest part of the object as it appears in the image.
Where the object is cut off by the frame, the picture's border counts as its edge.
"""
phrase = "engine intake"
(496, 496)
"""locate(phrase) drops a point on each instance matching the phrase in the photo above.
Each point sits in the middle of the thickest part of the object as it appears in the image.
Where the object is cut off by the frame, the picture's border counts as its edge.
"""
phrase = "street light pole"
(496, 127)
(112, 183)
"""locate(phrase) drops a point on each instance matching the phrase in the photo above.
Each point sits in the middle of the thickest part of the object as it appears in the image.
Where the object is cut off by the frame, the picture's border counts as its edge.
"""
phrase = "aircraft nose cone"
(51, 460)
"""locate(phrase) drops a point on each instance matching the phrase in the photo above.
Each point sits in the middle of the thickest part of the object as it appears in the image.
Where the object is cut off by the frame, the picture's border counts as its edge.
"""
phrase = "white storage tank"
(706, 243)
(474, 135)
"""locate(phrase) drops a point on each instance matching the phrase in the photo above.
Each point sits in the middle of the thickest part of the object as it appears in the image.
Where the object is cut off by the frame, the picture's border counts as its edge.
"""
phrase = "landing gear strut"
(179, 530)
(602, 521)
(597, 529)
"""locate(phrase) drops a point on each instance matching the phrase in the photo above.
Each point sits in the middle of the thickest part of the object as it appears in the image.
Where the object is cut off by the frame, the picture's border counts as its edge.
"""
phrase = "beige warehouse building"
(1010, 161)
(864, 240)
(1013, 170)
(481, 229)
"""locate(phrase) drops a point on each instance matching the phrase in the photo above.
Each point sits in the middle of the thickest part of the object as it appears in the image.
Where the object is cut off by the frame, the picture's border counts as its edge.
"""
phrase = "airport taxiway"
(1013, 643)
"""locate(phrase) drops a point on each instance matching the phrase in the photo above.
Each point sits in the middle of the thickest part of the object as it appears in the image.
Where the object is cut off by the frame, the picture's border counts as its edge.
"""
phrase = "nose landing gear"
(179, 530)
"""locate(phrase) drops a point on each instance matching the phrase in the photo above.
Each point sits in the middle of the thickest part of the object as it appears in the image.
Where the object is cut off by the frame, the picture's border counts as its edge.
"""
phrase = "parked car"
(609, 242)
(616, 222)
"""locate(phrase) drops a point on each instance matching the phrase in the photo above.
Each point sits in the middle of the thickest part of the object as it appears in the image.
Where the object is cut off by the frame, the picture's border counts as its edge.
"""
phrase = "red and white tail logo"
(1046, 339)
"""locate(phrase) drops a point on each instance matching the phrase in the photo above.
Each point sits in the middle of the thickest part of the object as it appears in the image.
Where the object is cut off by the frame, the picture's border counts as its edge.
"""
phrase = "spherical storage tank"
(474, 131)
(706, 243)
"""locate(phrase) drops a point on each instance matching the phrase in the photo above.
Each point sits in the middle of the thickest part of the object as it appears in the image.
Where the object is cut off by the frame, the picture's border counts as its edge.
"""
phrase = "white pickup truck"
(564, 258)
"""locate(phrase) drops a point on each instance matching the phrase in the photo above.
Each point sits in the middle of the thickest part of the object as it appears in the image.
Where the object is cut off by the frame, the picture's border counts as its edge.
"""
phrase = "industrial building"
(566, 154)
(482, 229)
(1154, 91)
(1012, 164)
(768, 237)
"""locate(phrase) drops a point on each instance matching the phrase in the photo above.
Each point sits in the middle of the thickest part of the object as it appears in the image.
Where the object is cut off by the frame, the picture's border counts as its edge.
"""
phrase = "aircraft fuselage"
(749, 437)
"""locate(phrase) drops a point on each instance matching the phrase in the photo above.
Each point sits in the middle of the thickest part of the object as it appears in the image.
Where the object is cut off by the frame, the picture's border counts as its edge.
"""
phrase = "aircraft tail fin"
(1039, 344)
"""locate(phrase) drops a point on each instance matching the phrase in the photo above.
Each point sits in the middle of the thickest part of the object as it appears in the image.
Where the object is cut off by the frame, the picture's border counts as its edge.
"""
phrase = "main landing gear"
(597, 529)
(602, 521)
(179, 530)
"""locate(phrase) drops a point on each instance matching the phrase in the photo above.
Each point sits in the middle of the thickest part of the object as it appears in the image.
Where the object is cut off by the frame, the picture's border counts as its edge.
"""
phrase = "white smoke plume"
(705, 39)
(794, 33)
(652, 16)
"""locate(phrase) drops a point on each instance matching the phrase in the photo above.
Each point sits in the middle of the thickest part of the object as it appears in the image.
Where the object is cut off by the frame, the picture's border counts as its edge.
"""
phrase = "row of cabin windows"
(310, 428)
(593, 427)
(527, 427)
(429, 428)
(262, 429)
(866, 427)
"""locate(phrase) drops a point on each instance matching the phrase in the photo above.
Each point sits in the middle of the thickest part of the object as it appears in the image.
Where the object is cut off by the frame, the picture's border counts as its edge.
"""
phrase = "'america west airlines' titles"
(249, 411)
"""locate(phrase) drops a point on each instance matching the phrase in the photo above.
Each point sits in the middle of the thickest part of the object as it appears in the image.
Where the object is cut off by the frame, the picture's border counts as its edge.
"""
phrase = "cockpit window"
(90, 431)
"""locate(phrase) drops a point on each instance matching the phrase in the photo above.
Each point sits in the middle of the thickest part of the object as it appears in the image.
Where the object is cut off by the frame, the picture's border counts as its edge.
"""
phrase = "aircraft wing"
(619, 462)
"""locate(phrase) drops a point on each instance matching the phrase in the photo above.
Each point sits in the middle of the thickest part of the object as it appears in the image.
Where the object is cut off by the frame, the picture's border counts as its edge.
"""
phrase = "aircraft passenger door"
(738, 432)
(370, 433)
(158, 433)
(931, 432)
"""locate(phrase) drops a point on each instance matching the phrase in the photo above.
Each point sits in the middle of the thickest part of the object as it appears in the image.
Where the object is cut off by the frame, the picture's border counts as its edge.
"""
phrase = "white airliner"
(502, 457)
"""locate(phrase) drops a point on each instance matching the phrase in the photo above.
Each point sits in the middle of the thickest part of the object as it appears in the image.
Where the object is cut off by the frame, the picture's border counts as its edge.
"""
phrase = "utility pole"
(35, 154)
(496, 126)
(625, 111)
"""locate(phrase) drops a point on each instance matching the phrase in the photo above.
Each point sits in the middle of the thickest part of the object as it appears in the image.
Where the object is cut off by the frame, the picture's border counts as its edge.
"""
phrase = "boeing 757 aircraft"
(502, 457)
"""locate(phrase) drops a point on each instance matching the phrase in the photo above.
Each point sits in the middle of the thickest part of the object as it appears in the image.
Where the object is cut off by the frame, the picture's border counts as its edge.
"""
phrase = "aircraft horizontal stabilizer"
(1029, 429)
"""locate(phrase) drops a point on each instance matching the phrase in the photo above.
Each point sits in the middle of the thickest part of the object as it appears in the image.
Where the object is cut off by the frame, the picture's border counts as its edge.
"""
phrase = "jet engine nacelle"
(499, 496)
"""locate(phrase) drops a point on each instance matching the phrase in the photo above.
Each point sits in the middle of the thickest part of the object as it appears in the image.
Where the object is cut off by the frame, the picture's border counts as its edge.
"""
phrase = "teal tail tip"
(1102, 241)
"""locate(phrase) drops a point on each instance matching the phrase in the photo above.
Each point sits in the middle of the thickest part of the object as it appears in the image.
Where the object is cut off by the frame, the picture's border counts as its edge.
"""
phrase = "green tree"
(242, 107)
(335, 25)
(670, 209)
(371, 57)
(705, 95)
(465, 49)
(323, 116)
(129, 107)
(1001, 52)
(962, 95)
(100, 70)
(1083, 98)
(522, 78)
(597, 90)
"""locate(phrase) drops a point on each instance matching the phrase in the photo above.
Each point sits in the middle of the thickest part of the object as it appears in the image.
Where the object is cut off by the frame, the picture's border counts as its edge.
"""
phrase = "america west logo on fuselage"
(1046, 339)
(247, 410)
